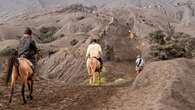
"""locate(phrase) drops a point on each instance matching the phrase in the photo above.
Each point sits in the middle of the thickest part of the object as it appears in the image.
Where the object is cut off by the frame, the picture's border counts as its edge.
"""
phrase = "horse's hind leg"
(94, 76)
(12, 91)
(30, 87)
(13, 82)
(90, 79)
(93, 79)
(90, 75)
(99, 78)
(23, 95)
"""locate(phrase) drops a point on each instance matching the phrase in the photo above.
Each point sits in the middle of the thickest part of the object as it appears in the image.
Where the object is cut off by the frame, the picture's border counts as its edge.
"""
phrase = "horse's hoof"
(29, 97)
(25, 103)
(10, 101)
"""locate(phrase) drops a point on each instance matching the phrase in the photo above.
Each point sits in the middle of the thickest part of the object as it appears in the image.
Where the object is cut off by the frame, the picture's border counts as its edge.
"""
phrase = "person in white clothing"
(94, 50)
(139, 64)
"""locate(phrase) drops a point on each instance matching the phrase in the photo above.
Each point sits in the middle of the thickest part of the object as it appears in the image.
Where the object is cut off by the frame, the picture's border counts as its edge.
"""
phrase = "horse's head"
(39, 54)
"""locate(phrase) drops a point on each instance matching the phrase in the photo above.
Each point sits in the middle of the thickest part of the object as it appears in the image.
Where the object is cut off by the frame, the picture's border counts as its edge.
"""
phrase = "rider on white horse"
(94, 50)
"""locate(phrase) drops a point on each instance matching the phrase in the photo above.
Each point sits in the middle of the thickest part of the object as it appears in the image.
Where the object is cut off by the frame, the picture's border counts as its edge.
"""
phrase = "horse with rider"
(94, 60)
(23, 64)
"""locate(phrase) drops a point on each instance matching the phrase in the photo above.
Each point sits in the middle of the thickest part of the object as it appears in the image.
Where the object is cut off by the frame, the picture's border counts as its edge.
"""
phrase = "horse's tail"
(93, 64)
(13, 61)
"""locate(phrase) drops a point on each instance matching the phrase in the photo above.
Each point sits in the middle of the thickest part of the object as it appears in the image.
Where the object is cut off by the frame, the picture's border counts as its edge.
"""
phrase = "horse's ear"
(14, 52)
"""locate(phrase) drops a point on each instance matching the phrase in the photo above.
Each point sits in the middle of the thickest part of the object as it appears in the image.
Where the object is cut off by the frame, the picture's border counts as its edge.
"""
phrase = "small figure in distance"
(139, 64)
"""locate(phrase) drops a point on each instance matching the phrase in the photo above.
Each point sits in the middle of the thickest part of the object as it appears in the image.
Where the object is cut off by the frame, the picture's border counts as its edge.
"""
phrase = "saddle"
(30, 63)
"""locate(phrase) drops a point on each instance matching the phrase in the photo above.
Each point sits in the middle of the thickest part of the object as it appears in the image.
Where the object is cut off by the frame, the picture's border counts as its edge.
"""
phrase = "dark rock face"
(46, 34)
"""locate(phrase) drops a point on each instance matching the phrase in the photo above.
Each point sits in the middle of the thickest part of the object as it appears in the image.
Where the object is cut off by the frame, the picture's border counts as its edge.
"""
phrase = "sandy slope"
(167, 85)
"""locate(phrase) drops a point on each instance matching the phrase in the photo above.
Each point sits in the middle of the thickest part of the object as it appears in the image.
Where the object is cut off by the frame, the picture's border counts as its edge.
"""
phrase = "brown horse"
(23, 68)
(93, 67)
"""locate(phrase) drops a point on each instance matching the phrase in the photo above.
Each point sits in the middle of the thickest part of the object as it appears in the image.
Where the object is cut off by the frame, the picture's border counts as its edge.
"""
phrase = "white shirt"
(139, 62)
(94, 50)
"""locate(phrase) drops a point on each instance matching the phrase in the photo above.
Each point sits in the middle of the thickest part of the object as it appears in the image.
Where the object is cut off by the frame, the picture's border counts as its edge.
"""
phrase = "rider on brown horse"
(24, 67)
(28, 48)
(94, 50)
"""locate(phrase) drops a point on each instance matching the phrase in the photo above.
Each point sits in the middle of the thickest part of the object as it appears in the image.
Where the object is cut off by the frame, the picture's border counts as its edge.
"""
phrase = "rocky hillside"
(63, 30)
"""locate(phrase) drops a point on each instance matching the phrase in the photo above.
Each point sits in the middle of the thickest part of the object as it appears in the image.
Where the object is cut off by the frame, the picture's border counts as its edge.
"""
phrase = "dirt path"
(55, 95)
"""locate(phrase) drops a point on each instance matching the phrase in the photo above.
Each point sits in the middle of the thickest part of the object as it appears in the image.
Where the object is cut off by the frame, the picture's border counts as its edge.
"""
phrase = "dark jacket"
(27, 48)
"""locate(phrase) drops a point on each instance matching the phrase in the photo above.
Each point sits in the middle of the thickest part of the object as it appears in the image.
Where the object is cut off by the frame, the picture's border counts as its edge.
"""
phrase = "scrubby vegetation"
(103, 78)
(8, 51)
(171, 44)
(46, 34)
